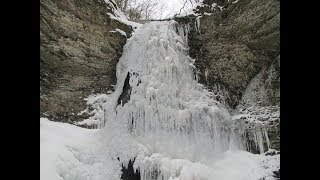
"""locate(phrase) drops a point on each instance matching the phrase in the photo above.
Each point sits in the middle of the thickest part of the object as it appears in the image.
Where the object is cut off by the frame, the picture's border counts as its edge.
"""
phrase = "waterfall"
(167, 104)
(159, 114)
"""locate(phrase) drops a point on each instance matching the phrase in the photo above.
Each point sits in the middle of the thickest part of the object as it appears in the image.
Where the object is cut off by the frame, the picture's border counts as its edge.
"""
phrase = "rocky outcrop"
(259, 124)
(79, 50)
(232, 41)
(264, 88)
(236, 47)
(261, 103)
(129, 173)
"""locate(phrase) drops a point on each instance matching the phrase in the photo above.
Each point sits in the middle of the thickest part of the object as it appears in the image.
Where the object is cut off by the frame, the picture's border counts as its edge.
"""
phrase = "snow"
(190, 10)
(84, 111)
(187, 12)
(120, 16)
(120, 31)
(231, 165)
(97, 118)
(257, 120)
(213, 5)
(74, 153)
(54, 141)
(172, 125)
(166, 100)
(269, 164)
(221, 8)
(255, 93)
(254, 115)
(169, 116)
(235, 1)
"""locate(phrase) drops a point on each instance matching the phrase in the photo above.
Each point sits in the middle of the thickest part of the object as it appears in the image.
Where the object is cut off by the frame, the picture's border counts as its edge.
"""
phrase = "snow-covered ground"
(72, 153)
(69, 152)
(56, 141)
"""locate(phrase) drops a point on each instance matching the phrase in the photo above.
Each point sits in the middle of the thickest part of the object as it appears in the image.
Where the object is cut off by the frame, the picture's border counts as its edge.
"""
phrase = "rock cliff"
(232, 42)
(236, 47)
(79, 50)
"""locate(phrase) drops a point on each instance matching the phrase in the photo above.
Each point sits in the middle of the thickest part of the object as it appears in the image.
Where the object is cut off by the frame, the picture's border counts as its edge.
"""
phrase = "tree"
(133, 14)
(141, 9)
(122, 4)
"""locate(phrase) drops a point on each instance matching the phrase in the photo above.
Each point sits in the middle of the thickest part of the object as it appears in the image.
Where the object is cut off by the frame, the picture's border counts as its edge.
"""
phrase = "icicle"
(265, 133)
(169, 112)
(197, 24)
(260, 140)
(206, 75)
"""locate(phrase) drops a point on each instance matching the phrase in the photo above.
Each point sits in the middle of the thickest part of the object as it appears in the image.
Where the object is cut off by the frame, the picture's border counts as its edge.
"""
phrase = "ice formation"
(253, 123)
(159, 111)
(197, 24)
(167, 105)
(73, 153)
(160, 117)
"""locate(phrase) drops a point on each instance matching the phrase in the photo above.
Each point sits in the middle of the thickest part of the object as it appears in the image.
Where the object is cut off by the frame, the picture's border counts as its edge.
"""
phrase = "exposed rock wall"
(262, 98)
(236, 47)
(234, 43)
(78, 54)
(264, 88)
(252, 120)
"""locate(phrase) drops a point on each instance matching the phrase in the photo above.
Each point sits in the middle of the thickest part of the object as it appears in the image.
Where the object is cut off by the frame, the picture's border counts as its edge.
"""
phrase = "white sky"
(172, 7)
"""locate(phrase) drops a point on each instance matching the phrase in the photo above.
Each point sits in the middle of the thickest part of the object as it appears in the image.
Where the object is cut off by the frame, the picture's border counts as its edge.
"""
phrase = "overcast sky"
(173, 6)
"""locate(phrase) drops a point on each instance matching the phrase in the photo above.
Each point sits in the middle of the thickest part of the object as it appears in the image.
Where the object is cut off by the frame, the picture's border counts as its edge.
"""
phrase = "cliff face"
(236, 47)
(78, 54)
(233, 45)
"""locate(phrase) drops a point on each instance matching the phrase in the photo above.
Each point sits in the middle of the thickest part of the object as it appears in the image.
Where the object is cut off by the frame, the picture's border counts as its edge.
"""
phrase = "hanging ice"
(159, 104)
(160, 117)
(168, 108)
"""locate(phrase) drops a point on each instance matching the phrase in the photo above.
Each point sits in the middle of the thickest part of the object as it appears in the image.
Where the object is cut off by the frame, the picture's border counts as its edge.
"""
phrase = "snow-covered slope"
(73, 153)
(56, 139)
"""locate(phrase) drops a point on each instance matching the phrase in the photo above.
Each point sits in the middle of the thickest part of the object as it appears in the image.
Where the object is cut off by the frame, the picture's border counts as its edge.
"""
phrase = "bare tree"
(122, 4)
(148, 9)
(144, 9)
(187, 4)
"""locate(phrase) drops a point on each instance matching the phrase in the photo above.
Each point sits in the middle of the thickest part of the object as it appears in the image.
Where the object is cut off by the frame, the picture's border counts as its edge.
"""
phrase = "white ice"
(171, 124)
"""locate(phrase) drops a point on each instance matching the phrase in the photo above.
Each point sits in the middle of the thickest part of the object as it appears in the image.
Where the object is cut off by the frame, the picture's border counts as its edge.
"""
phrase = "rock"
(126, 91)
(251, 119)
(263, 89)
(276, 174)
(272, 152)
(129, 173)
(78, 55)
(237, 53)
(235, 44)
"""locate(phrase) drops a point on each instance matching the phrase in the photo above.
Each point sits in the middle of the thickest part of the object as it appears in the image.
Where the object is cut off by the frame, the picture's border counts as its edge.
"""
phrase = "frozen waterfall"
(160, 116)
